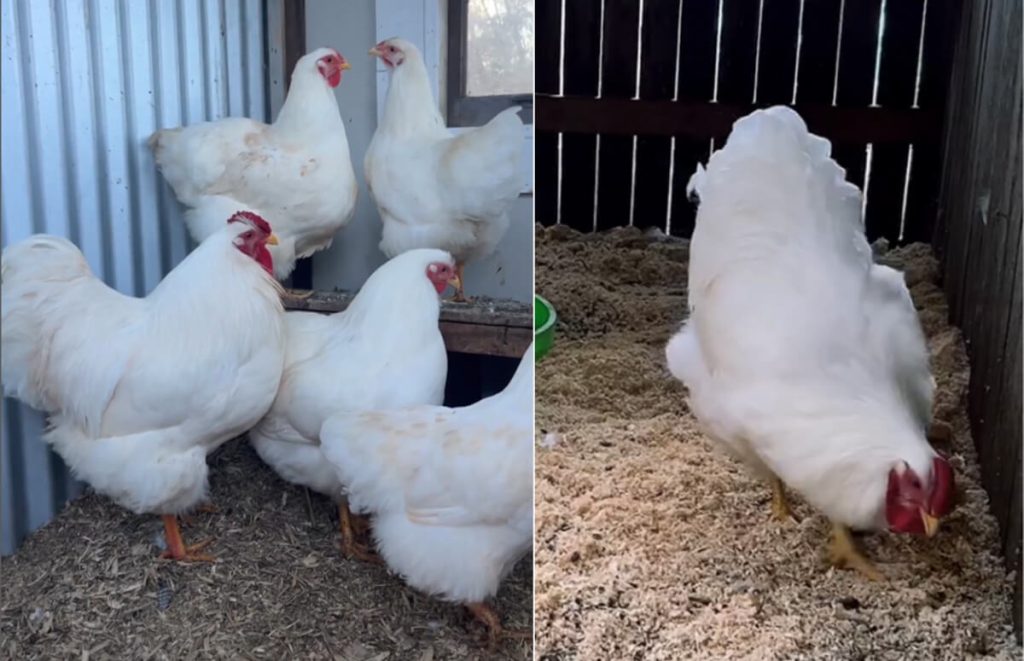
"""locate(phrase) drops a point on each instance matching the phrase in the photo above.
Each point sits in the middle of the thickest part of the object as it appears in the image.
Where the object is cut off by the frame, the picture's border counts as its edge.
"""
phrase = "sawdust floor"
(652, 545)
(88, 585)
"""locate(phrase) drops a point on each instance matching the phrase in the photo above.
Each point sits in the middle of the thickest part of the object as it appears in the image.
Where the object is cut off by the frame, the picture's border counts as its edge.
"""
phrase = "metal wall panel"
(84, 83)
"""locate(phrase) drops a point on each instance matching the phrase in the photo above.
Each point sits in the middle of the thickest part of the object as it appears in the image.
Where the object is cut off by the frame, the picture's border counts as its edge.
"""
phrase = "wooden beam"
(705, 120)
(483, 326)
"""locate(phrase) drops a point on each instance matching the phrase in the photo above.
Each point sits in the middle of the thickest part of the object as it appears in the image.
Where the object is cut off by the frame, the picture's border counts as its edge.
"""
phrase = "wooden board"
(483, 326)
(699, 120)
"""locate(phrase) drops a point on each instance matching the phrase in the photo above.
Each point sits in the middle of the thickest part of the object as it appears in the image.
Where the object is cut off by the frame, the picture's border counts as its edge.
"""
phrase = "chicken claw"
(780, 506)
(349, 546)
(460, 291)
(843, 553)
(176, 549)
(490, 618)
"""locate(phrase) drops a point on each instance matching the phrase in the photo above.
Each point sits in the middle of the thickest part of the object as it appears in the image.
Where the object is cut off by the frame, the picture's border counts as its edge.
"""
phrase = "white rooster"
(802, 357)
(433, 189)
(140, 390)
(296, 171)
(385, 350)
(450, 490)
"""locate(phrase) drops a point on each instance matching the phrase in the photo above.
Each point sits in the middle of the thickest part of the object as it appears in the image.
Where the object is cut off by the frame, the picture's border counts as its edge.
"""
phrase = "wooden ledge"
(485, 326)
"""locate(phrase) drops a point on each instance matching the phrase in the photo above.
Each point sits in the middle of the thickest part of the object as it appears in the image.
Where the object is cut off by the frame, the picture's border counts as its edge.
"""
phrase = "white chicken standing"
(140, 390)
(433, 189)
(450, 490)
(803, 358)
(297, 171)
(384, 351)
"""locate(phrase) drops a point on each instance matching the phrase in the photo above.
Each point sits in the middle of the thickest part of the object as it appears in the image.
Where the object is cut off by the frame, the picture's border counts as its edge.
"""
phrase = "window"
(490, 59)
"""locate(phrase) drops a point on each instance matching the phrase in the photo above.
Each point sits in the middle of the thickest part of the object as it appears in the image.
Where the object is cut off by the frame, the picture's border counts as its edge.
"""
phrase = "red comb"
(253, 219)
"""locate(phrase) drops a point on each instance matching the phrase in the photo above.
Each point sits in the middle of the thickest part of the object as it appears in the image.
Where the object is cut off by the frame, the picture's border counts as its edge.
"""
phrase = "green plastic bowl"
(544, 319)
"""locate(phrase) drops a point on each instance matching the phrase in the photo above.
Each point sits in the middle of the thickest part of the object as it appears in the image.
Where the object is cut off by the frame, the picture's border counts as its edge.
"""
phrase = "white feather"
(296, 172)
(385, 350)
(801, 357)
(435, 190)
(139, 390)
(451, 490)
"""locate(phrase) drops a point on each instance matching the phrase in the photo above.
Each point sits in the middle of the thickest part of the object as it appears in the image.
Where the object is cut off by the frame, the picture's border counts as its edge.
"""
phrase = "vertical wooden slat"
(657, 82)
(618, 80)
(818, 51)
(896, 83)
(696, 83)
(582, 46)
(777, 58)
(856, 75)
(737, 51)
(548, 22)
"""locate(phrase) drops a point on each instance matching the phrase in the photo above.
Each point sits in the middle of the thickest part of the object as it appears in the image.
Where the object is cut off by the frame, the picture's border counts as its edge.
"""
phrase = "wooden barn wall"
(978, 238)
(632, 95)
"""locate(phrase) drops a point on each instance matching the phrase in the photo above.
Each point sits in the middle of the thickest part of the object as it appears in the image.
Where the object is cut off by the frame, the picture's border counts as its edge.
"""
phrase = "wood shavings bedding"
(89, 585)
(651, 544)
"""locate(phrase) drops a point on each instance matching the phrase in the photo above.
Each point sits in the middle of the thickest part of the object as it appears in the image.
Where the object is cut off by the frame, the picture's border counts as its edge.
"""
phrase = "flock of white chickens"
(139, 391)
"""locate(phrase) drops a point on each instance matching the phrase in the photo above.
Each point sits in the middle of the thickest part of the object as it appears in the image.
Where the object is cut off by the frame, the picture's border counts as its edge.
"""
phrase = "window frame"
(464, 110)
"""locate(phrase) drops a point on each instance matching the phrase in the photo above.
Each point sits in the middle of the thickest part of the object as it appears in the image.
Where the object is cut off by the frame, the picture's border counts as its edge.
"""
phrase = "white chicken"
(297, 171)
(433, 189)
(803, 358)
(140, 390)
(385, 350)
(450, 490)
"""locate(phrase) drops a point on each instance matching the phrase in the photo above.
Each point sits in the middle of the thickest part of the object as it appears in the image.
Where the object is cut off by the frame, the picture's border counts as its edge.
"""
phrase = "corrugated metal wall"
(84, 83)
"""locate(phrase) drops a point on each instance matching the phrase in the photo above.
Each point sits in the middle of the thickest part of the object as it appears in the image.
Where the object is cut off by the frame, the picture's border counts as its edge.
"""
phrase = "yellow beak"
(455, 282)
(374, 52)
(931, 524)
(345, 65)
(272, 239)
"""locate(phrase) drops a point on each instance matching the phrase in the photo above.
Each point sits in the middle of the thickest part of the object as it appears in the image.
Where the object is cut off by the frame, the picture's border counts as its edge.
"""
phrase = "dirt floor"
(89, 586)
(653, 545)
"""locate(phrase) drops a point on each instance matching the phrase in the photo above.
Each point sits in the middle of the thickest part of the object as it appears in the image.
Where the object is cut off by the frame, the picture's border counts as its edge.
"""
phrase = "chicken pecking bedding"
(652, 544)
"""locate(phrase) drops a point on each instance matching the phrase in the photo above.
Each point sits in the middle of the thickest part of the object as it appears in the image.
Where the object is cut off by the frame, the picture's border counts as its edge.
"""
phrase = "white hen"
(802, 357)
(450, 490)
(296, 171)
(384, 351)
(433, 189)
(140, 390)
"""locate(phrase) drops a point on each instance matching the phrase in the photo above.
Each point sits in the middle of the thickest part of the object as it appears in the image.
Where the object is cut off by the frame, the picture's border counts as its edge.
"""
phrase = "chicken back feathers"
(139, 390)
(801, 357)
(450, 489)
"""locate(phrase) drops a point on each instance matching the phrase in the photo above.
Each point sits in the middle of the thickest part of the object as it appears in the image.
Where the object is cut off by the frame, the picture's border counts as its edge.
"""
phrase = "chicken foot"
(490, 619)
(176, 549)
(780, 505)
(460, 291)
(843, 553)
(349, 546)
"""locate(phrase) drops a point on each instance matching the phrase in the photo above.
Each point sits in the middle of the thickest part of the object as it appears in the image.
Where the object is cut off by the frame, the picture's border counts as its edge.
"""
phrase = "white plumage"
(433, 189)
(450, 490)
(140, 390)
(384, 351)
(802, 357)
(297, 172)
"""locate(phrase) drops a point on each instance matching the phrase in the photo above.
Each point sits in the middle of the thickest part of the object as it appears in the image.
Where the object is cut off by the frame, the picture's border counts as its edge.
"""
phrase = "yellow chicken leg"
(176, 549)
(490, 619)
(780, 506)
(349, 545)
(460, 291)
(843, 553)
